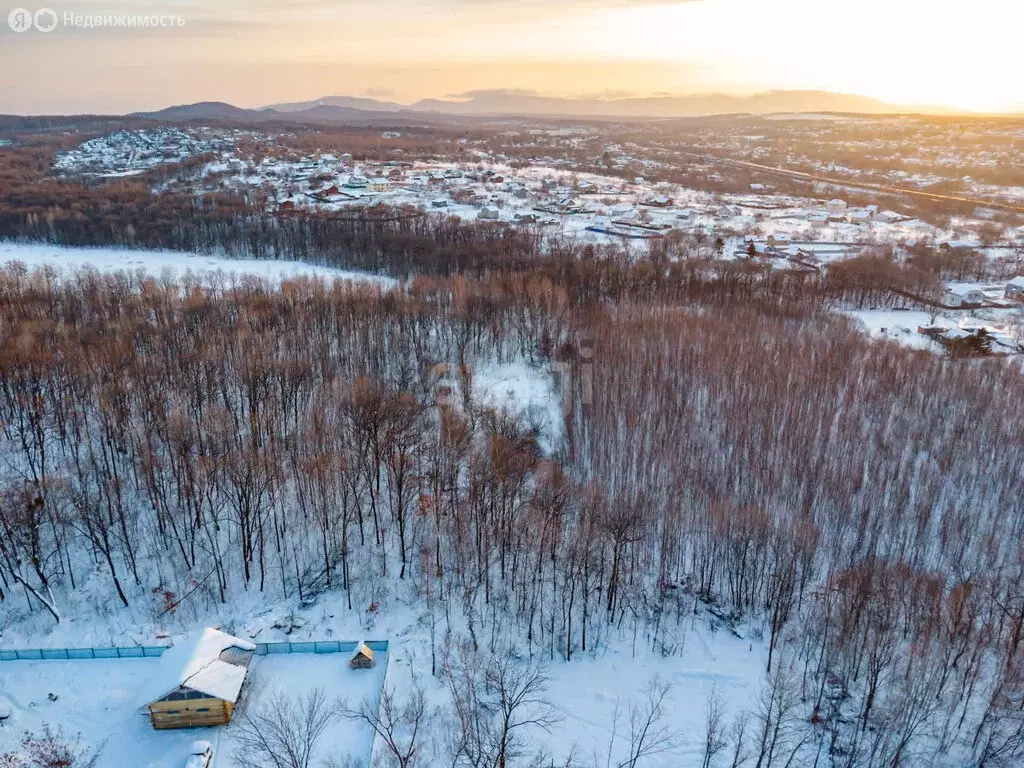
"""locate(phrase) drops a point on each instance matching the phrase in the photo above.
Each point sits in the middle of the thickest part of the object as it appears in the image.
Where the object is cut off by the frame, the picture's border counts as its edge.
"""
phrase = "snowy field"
(98, 699)
(175, 264)
(899, 325)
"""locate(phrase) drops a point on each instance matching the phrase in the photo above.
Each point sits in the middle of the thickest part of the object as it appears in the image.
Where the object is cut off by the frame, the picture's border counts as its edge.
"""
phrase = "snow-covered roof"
(196, 663)
(1017, 282)
(963, 289)
(359, 649)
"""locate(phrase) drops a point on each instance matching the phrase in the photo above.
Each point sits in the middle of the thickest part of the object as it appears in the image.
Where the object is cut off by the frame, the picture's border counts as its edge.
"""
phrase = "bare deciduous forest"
(727, 445)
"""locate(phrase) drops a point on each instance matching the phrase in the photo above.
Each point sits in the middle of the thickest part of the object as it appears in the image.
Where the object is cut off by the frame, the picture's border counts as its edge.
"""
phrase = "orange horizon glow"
(906, 52)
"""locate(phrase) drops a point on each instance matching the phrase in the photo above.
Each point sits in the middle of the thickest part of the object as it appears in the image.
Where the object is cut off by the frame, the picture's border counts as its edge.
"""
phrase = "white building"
(836, 205)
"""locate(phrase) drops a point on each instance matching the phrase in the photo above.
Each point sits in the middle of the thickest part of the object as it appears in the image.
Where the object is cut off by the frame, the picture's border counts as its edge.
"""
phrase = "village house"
(1015, 289)
(836, 206)
(198, 681)
(957, 296)
(489, 212)
(658, 202)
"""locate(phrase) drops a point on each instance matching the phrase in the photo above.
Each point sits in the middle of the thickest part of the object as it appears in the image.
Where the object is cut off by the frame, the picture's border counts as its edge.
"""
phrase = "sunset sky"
(912, 52)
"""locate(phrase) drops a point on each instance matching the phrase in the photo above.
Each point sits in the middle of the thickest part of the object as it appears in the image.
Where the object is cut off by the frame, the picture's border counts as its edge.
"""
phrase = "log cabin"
(198, 682)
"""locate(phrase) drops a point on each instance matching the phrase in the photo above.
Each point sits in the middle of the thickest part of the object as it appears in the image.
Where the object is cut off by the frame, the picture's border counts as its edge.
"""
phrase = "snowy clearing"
(525, 391)
(898, 325)
(170, 263)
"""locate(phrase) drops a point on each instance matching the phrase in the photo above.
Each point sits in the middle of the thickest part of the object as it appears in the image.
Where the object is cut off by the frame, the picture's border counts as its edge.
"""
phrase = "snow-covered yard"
(98, 699)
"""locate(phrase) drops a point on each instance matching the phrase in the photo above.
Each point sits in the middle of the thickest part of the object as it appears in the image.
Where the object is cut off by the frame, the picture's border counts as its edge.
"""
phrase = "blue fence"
(152, 651)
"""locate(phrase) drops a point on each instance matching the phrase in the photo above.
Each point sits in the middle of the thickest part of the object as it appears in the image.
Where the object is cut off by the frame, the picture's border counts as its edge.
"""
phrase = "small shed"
(362, 657)
(198, 681)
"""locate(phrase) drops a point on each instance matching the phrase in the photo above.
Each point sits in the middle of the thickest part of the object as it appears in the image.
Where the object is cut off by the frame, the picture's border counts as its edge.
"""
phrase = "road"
(801, 175)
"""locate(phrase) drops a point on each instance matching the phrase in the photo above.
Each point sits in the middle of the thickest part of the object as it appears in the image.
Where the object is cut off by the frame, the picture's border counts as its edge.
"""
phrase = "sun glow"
(896, 50)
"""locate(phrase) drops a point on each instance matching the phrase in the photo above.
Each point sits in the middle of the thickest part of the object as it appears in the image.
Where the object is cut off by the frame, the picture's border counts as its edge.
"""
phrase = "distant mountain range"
(510, 102)
(496, 103)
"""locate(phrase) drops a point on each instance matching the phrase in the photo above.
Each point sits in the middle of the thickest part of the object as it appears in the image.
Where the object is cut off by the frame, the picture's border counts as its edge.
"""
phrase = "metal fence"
(153, 651)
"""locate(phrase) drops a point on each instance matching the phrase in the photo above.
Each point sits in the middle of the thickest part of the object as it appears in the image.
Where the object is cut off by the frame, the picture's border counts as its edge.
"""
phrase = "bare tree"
(396, 725)
(738, 736)
(714, 736)
(283, 733)
(497, 701)
(51, 749)
(518, 691)
(649, 733)
(778, 718)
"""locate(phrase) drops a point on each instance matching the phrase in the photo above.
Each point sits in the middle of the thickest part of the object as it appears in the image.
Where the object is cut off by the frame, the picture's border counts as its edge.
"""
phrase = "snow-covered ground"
(899, 325)
(97, 699)
(902, 326)
(67, 261)
(525, 391)
(593, 694)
